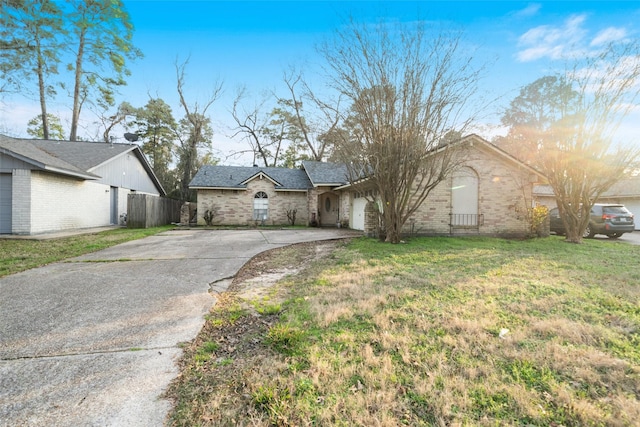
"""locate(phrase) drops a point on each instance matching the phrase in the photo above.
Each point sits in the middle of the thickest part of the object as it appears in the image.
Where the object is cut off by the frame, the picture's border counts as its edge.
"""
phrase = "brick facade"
(235, 207)
(504, 194)
(21, 201)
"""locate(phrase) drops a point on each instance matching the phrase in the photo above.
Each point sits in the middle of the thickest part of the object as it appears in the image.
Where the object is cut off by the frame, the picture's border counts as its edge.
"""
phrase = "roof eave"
(208, 187)
(87, 176)
(20, 157)
(330, 184)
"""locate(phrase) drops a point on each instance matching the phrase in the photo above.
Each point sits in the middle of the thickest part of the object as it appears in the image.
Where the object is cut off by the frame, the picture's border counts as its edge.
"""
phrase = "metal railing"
(466, 220)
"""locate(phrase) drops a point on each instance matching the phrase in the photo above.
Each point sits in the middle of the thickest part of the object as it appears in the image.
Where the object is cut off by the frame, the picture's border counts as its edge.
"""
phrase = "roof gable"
(261, 175)
(494, 149)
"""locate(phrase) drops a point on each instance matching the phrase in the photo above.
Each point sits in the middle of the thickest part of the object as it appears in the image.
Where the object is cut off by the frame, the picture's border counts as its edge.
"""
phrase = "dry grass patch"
(438, 331)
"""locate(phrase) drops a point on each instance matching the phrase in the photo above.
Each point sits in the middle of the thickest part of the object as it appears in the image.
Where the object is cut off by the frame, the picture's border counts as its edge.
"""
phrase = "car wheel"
(587, 233)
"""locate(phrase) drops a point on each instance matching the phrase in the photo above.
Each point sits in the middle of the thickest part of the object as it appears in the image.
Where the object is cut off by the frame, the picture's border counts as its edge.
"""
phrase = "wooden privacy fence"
(145, 210)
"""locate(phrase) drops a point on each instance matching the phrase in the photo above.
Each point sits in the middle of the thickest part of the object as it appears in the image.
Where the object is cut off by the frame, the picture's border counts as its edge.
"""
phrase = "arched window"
(464, 198)
(260, 206)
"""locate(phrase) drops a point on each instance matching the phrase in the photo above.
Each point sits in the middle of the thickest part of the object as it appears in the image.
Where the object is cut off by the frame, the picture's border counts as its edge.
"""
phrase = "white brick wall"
(61, 203)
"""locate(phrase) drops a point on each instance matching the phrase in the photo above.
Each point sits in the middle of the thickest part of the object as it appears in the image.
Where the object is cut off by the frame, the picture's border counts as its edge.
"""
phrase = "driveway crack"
(89, 353)
(220, 285)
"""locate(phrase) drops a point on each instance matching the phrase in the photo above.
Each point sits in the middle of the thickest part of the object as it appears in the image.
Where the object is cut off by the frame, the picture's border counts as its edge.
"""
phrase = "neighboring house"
(626, 192)
(488, 195)
(61, 185)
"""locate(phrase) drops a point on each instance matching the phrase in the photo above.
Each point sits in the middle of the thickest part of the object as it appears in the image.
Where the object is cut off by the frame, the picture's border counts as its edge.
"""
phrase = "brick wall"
(504, 193)
(21, 202)
(235, 207)
(61, 203)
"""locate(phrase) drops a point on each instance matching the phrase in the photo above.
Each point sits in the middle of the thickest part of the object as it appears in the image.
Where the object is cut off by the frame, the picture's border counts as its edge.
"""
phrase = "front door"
(328, 207)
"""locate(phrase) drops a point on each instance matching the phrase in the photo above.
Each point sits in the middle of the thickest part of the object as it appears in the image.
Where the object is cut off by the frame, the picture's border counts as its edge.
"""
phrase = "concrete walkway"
(93, 341)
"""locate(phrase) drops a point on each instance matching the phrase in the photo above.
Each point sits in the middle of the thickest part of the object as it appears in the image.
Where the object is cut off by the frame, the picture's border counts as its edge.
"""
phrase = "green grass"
(18, 254)
(410, 334)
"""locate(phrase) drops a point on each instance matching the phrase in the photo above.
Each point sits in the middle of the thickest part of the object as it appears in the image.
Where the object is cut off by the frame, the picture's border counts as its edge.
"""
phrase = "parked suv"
(611, 220)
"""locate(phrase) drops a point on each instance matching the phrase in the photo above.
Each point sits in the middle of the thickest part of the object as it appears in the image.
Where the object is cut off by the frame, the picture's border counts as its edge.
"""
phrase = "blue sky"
(252, 43)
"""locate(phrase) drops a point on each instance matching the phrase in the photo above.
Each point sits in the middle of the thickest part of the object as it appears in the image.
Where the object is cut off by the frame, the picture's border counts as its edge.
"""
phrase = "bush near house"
(438, 331)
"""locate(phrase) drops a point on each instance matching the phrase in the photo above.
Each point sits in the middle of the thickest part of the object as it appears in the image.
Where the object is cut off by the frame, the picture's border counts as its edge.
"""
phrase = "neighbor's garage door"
(357, 220)
(5, 203)
(634, 207)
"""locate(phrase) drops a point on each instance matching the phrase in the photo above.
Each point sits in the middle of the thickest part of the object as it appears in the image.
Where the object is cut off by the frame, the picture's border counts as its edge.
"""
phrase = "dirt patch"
(255, 279)
(214, 388)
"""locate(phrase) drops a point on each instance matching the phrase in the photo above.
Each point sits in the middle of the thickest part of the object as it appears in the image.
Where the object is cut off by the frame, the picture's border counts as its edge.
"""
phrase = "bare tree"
(197, 129)
(251, 124)
(110, 121)
(314, 128)
(409, 85)
(576, 147)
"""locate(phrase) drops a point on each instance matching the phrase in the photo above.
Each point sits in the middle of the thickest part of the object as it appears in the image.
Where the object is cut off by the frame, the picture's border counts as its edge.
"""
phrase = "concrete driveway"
(93, 341)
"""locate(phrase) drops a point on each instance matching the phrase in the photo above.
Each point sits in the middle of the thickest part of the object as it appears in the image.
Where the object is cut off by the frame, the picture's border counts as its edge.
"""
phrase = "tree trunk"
(392, 225)
(42, 91)
(573, 236)
(75, 118)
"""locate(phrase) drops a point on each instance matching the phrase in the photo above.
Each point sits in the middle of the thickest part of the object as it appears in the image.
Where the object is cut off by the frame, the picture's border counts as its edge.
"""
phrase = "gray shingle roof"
(235, 176)
(322, 173)
(30, 152)
(84, 155)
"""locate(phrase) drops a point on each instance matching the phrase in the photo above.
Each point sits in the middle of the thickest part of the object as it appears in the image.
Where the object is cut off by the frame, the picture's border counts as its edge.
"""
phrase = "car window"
(619, 210)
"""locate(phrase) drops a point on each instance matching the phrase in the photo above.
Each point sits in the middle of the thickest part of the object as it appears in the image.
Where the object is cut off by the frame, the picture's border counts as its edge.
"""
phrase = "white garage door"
(357, 213)
(634, 207)
(5, 203)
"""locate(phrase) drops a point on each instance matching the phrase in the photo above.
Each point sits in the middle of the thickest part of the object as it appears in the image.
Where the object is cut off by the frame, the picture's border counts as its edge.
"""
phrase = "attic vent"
(230, 176)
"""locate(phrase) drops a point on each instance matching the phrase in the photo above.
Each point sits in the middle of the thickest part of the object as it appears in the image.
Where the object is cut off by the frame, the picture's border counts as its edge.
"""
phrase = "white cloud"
(15, 116)
(531, 10)
(553, 42)
(15, 113)
(609, 35)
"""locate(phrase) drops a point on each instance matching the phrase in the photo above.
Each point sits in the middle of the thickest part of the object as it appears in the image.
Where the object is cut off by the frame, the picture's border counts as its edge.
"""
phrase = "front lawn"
(438, 331)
